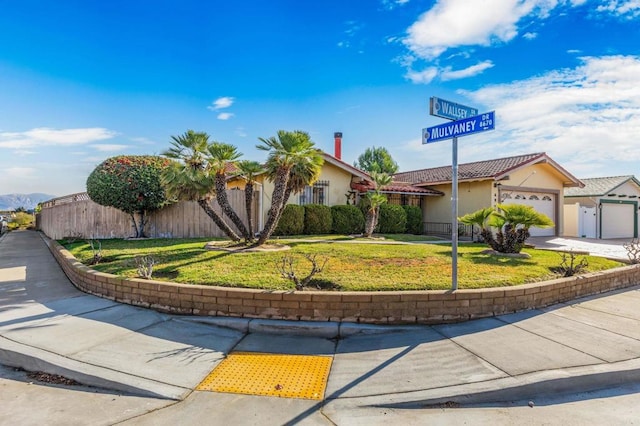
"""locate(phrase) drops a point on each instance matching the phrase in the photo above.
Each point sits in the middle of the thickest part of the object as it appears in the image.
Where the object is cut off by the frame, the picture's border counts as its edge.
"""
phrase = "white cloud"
(455, 23)
(109, 147)
(392, 4)
(587, 118)
(225, 116)
(241, 132)
(628, 9)
(53, 137)
(425, 76)
(530, 36)
(448, 74)
(20, 172)
(143, 141)
(221, 103)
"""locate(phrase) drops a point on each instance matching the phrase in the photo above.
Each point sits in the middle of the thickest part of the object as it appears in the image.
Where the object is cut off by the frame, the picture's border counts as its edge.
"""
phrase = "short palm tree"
(220, 156)
(511, 223)
(376, 199)
(249, 171)
(190, 177)
(286, 151)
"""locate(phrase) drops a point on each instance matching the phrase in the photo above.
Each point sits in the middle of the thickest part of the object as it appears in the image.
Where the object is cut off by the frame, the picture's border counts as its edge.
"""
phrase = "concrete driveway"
(612, 249)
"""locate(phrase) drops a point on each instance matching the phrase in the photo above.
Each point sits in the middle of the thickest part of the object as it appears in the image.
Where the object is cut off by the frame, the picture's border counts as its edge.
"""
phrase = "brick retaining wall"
(389, 307)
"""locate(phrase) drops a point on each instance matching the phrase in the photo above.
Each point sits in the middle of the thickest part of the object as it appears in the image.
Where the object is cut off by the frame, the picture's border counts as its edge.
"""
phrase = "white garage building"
(605, 208)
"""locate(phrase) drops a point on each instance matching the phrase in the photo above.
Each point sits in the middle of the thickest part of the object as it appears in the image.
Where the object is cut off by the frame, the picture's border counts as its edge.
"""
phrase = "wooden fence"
(77, 216)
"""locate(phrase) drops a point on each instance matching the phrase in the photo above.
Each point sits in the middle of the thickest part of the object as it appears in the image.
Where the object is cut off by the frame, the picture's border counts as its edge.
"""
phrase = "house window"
(546, 198)
(534, 197)
(316, 194)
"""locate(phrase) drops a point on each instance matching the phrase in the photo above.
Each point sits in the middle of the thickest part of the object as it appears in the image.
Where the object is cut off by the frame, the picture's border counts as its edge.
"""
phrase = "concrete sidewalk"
(48, 325)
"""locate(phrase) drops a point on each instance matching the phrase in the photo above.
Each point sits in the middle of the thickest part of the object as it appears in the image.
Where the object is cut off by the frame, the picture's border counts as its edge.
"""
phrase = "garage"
(618, 219)
(542, 202)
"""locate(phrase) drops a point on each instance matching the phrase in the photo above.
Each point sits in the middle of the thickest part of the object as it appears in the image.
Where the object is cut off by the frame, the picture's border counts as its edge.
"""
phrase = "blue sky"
(83, 81)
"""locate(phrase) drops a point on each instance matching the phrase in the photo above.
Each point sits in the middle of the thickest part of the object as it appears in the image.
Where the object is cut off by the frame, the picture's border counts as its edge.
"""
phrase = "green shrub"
(130, 183)
(317, 219)
(414, 219)
(347, 219)
(392, 219)
(21, 220)
(292, 221)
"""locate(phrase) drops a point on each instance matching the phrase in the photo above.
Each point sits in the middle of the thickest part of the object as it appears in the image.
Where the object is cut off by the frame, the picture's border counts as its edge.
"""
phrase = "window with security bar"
(316, 194)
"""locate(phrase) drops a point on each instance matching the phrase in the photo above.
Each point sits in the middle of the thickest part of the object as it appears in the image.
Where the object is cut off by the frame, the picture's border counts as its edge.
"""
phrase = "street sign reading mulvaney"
(453, 129)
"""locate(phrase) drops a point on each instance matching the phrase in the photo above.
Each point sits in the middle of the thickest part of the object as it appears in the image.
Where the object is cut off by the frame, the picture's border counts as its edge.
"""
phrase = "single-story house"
(606, 207)
(531, 179)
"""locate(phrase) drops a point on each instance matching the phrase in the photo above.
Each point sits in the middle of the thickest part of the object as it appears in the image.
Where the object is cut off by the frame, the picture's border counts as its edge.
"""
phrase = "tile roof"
(401, 187)
(470, 171)
(597, 187)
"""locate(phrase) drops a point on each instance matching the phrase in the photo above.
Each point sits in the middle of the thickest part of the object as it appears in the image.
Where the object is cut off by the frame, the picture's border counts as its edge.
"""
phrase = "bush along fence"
(393, 307)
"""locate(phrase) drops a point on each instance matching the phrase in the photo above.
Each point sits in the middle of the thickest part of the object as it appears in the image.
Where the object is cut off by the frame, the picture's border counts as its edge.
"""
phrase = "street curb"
(517, 388)
(327, 330)
(13, 354)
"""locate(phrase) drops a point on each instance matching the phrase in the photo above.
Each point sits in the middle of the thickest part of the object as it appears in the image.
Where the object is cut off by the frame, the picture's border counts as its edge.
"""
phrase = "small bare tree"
(633, 250)
(569, 266)
(286, 268)
(145, 266)
(96, 249)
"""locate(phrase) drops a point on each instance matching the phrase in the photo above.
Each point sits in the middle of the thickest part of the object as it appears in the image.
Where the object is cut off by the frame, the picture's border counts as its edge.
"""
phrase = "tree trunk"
(277, 205)
(204, 204)
(223, 202)
(248, 203)
(370, 222)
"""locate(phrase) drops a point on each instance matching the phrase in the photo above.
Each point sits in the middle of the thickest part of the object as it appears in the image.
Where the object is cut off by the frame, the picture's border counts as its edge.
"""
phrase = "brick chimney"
(338, 145)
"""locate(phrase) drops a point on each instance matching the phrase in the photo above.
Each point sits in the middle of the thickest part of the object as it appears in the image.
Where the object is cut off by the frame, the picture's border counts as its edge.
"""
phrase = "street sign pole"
(454, 215)
(464, 121)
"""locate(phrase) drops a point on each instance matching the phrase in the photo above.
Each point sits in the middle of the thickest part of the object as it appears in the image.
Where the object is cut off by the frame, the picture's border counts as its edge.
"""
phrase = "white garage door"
(542, 202)
(617, 220)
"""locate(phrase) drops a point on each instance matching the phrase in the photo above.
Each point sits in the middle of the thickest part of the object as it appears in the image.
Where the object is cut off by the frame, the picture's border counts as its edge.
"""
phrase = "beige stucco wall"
(571, 216)
(471, 197)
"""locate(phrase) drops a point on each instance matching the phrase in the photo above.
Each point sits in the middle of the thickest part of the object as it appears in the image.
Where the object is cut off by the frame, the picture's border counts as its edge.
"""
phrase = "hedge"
(414, 220)
(347, 219)
(392, 219)
(317, 219)
(292, 221)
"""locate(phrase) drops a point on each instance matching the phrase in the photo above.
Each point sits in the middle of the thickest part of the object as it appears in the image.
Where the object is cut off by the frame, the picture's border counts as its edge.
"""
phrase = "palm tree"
(304, 173)
(512, 223)
(376, 199)
(190, 178)
(480, 219)
(286, 151)
(249, 170)
(220, 156)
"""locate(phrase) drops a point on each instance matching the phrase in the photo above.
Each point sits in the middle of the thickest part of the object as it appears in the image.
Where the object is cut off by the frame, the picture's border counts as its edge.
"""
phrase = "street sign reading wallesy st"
(464, 127)
(450, 110)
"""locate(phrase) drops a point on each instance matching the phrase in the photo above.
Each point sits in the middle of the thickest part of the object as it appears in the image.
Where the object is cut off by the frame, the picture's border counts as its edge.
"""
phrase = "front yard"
(351, 266)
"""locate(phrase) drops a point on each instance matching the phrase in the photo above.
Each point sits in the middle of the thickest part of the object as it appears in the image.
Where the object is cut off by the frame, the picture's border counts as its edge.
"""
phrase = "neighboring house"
(532, 179)
(605, 207)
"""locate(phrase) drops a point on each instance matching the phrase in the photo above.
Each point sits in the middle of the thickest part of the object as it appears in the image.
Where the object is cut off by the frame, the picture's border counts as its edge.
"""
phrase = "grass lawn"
(351, 266)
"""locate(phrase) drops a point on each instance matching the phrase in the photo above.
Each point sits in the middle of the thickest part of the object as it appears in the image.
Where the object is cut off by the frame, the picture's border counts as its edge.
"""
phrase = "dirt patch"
(244, 248)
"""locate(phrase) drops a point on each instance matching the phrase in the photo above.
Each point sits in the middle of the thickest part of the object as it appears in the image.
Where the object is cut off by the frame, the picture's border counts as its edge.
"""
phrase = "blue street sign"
(450, 110)
(464, 127)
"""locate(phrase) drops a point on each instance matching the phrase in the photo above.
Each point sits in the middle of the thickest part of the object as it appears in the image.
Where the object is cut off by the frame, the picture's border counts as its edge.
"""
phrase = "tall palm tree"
(249, 171)
(304, 173)
(190, 177)
(376, 199)
(220, 156)
(286, 151)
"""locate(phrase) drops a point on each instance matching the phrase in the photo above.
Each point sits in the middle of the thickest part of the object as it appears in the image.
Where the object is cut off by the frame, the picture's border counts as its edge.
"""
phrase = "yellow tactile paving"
(286, 376)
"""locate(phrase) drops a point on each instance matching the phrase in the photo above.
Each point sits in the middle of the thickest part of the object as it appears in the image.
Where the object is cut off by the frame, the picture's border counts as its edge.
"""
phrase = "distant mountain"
(28, 201)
